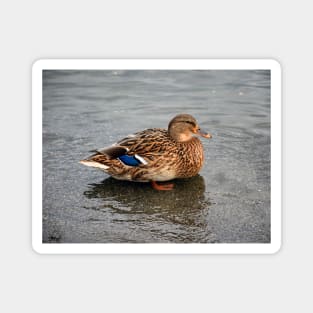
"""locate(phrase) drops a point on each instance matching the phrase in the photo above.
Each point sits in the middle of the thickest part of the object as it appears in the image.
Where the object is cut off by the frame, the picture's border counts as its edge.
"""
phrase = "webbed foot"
(156, 186)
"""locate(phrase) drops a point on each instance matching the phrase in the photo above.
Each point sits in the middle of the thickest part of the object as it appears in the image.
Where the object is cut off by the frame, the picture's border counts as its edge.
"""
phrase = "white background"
(162, 29)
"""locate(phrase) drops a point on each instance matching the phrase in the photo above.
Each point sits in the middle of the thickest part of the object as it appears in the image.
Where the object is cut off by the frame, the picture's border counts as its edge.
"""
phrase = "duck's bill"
(204, 134)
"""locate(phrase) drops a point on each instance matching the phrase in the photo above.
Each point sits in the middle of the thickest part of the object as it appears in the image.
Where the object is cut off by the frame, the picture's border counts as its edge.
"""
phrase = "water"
(228, 202)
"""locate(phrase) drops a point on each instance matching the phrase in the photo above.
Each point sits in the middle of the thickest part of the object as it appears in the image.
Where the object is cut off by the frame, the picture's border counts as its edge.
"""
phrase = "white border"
(151, 248)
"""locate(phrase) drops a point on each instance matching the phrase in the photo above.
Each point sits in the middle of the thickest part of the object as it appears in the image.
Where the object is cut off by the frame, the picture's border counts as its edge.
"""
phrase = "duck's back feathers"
(148, 141)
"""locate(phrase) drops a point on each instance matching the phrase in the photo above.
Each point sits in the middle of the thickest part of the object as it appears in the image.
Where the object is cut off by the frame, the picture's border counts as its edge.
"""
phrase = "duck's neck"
(180, 136)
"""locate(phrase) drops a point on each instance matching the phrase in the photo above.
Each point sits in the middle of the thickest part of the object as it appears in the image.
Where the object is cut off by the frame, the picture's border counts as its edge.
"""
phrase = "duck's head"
(183, 127)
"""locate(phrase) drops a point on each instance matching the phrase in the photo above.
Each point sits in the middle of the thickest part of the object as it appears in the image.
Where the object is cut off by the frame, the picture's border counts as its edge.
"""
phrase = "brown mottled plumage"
(158, 154)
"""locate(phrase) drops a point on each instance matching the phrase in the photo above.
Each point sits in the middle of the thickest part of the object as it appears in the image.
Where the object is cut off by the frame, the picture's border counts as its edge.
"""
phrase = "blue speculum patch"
(129, 160)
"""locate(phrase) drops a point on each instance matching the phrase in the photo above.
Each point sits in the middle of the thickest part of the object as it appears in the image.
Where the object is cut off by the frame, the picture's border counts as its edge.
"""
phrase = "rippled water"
(229, 201)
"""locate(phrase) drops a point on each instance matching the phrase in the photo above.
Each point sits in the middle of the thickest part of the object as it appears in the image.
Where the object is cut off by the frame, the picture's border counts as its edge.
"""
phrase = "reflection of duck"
(154, 154)
(185, 205)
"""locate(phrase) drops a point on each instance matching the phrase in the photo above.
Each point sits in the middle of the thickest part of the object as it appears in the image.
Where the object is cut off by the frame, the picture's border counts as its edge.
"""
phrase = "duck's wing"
(137, 149)
(112, 152)
(147, 142)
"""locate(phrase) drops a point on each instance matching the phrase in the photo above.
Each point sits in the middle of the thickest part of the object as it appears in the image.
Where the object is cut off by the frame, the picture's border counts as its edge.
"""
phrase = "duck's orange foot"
(162, 187)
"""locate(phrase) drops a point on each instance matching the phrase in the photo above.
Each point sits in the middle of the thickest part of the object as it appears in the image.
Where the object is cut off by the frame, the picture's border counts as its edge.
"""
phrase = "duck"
(154, 155)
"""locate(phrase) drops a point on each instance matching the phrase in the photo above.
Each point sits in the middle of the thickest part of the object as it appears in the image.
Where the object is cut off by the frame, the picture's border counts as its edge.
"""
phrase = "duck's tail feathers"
(94, 164)
(98, 160)
(102, 158)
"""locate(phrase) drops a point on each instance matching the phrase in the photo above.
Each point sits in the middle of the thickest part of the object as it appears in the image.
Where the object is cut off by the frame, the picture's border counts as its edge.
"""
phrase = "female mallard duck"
(155, 154)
